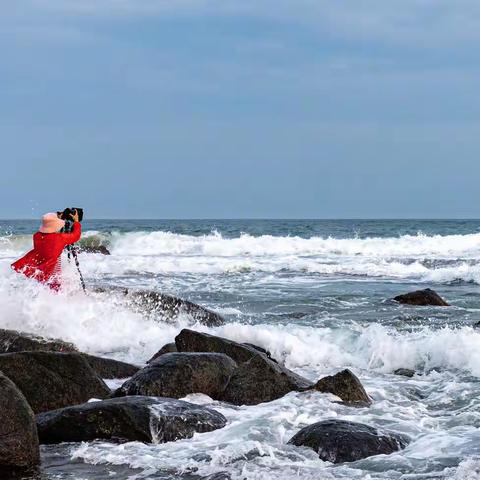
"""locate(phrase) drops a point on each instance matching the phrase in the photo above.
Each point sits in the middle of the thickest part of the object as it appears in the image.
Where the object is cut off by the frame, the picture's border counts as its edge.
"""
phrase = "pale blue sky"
(203, 109)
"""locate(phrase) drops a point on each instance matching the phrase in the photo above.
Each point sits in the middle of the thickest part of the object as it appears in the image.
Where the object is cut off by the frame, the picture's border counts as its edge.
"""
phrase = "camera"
(68, 214)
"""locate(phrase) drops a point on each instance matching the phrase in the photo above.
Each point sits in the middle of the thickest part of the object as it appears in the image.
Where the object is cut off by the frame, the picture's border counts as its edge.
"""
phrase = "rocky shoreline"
(52, 393)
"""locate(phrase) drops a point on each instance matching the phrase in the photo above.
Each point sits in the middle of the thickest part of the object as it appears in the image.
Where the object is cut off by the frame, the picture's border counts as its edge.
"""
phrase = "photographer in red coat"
(43, 262)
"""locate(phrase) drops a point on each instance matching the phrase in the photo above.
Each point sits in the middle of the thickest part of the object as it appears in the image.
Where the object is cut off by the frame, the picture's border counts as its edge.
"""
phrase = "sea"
(315, 293)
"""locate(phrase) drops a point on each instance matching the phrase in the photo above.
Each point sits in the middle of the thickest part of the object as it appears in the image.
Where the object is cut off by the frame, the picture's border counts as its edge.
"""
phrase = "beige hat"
(51, 223)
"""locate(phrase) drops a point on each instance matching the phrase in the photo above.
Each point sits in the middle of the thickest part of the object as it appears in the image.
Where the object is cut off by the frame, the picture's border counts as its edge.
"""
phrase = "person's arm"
(69, 238)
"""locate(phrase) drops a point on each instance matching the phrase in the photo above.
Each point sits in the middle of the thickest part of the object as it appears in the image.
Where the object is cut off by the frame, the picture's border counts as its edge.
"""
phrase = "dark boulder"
(404, 372)
(136, 418)
(101, 249)
(192, 341)
(50, 380)
(167, 348)
(109, 368)
(345, 385)
(165, 306)
(262, 380)
(19, 449)
(339, 441)
(13, 341)
(422, 298)
(178, 374)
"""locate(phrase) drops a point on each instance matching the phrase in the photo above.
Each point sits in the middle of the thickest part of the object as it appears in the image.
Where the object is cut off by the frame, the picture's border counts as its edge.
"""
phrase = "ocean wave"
(439, 259)
(99, 324)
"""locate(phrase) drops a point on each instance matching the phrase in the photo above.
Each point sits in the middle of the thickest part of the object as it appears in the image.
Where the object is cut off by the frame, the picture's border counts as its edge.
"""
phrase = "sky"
(240, 109)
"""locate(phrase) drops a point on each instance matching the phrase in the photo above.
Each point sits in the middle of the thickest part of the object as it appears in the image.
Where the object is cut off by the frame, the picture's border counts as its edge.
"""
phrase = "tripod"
(73, 251)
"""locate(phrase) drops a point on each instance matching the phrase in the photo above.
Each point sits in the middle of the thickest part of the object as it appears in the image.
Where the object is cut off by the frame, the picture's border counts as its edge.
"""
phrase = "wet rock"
(13, 341)
(192, 341)
(136, 418)
(422, 298)
(339, 441)
(101, 249)
(262, 380)
(109, 368)
(345, 385)
(166, 306)
(19, 449)
(404, 372)
(178, 374)
(168, 348)
(50, 380)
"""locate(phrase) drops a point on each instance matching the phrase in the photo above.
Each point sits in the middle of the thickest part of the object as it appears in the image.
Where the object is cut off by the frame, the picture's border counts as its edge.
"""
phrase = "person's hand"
(75, 216)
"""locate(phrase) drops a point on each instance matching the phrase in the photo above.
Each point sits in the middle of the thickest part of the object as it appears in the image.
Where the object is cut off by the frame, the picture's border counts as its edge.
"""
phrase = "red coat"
(43, 262)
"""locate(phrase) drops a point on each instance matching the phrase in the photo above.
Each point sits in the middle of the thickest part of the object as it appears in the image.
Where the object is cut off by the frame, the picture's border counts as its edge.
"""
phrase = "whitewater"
(316, 294)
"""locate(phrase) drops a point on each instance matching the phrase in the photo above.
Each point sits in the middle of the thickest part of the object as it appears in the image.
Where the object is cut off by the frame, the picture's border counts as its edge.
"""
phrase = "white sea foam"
(418, 257)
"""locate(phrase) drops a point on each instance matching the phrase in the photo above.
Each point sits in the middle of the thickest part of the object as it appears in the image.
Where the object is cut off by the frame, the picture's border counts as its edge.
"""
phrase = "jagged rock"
(192, 341)
(422, 298)
(404, 372)
(109, 368)
(102, 249)
(19, 449)
(135, 418)
(50, 380)
(168, 348)
(339, 441)
(262, 380)
(178, 374)
(345, 385)
(13, 341)
(166, 306)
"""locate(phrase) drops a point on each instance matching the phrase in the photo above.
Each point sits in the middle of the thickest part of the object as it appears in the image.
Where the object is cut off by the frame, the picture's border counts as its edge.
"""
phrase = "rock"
(262, 380)
(192, 341)
(261, 350)
(19, 449)
(166, 306)
(405, 372)
(137, 418)
(109, 368)
(168, 348)
(50, 380)
(340, 441)
(178, 374)
(345, 385)
(13, 341)
(101, 249)
(422, 298)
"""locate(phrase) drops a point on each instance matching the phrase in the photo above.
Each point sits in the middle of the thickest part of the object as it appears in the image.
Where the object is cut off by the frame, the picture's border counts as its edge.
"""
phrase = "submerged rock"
(135, 418)
(179, 374)
(404, 372)
(19, 449)
(345, 385)
(168, 348)
(101, 249)
(192, 341)
(170, 308)
(109, 368)
(50, 380)
(425, 297)
(262, 380)
(339, 441)
(13, 341)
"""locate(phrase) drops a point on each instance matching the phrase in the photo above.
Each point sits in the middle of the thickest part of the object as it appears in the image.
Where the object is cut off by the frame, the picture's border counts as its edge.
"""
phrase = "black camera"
(68, 214)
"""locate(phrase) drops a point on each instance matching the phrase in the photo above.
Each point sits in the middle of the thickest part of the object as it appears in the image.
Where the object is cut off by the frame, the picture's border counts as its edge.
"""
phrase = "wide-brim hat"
(51, 223)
